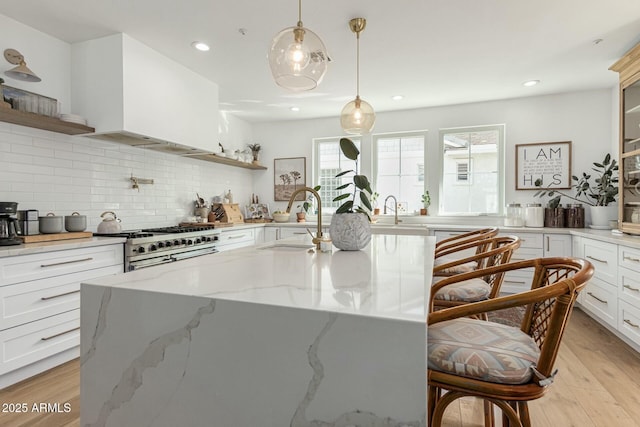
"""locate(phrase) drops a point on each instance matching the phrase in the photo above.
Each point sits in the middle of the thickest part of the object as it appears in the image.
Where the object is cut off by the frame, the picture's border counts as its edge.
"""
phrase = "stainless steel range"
(155, 246)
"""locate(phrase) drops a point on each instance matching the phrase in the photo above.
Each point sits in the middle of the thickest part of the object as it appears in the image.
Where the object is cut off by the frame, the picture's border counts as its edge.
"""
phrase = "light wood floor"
(598, 384)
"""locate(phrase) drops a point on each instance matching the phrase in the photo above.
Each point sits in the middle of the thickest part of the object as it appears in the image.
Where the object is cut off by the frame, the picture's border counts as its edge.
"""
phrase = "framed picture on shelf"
(289, 174)
(549, 162)
(257, 211)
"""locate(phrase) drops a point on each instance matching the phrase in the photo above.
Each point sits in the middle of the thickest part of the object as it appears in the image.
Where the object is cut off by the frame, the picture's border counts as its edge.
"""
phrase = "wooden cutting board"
(56, 236)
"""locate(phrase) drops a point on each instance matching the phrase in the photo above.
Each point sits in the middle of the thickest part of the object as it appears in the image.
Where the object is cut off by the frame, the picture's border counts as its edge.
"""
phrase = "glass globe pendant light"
(297, 57)
(357, 116)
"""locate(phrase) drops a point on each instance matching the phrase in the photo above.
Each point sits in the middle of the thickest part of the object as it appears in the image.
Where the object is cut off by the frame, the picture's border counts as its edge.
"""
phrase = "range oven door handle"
(137, 265)
(194, 253)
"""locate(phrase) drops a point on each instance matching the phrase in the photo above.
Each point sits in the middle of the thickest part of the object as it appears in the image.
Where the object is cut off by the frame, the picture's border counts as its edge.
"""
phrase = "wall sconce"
(21, 72)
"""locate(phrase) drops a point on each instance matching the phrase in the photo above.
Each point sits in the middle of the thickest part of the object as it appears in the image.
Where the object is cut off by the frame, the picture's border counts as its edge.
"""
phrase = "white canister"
(534, 215)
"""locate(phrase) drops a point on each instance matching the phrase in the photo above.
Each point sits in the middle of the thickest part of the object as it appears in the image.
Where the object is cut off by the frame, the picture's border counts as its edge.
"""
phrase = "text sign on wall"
(548, 161)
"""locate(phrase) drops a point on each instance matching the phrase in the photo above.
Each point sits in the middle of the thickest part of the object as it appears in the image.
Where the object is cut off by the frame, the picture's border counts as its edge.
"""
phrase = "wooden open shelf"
(209, 157)
(42, 122)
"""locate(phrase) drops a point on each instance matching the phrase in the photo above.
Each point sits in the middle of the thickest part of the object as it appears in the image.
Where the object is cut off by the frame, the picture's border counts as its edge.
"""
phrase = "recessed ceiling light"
(295, 109)
(531, 83)
(200, 46)
(397, 97)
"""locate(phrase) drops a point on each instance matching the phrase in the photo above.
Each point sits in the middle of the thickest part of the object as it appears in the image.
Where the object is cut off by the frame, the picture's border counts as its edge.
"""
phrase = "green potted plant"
(350, 226)
(598, 195)
(426, 202)
(374, 202)
(255, 149)
(305, 206)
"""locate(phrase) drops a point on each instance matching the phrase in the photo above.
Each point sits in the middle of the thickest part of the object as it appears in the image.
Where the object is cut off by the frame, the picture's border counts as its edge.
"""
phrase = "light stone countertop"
(385, 280)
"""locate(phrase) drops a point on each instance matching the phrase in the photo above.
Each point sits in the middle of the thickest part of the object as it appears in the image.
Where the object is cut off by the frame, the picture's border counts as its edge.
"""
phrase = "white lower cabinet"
(40, 306)
(601, 299)
(533, 245)
(612, 296)
(34, 341)
(629, 321)
(271, 234)
(234, 239)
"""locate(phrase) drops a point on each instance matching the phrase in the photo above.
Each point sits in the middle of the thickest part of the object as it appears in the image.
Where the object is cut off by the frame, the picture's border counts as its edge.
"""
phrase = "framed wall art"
(289, 174)
(548, 161)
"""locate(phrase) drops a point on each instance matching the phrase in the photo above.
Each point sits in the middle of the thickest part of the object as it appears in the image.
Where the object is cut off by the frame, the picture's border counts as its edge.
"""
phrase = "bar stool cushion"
(467, 290)
(482, 350)
(456, 269)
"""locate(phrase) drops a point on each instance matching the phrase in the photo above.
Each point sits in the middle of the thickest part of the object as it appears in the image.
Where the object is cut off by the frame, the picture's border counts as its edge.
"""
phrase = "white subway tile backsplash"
(62, 174)
(31, 150)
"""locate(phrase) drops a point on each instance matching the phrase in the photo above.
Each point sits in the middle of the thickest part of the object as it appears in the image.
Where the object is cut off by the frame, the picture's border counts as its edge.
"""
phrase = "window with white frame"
(472, 171)
(399, 165)
(328, 162)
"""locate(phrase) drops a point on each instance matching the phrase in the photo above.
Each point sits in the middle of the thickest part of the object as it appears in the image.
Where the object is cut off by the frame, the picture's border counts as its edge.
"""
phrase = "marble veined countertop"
(384, 280)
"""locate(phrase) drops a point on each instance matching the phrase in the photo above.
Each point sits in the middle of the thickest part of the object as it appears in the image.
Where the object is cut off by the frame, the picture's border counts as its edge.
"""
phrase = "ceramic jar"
(574, 216)
(534, 215)
(50, 224)
(75, 222)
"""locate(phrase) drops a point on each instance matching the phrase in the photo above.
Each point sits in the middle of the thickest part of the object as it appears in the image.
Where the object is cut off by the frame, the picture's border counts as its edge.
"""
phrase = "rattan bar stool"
(507, 366)
(497, 251)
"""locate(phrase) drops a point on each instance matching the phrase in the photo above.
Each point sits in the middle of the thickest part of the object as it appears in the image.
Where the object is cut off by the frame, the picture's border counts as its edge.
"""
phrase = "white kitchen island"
(272, 337)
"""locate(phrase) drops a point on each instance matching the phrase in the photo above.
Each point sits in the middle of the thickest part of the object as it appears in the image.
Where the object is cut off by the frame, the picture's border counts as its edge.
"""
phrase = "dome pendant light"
(357, 116)
(298, 58)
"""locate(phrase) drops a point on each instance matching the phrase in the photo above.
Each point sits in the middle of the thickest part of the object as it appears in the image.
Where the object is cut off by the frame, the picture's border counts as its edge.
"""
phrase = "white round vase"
(601, 215)
(350, 231)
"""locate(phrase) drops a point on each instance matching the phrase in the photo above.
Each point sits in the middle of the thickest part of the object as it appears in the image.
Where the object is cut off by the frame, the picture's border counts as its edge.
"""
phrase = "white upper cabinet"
(134, 95)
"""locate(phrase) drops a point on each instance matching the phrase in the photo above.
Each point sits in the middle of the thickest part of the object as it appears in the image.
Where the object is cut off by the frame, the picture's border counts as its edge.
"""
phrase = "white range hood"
(133, 95)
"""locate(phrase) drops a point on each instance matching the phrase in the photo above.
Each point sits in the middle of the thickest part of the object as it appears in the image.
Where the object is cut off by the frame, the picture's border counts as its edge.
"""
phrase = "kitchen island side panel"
(151, 358)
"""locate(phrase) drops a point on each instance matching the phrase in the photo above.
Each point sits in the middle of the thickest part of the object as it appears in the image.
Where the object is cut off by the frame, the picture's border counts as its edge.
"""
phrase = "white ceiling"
(432, 52)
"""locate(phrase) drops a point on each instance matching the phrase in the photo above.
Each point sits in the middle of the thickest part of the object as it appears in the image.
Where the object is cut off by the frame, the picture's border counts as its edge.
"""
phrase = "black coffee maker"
(9, 226)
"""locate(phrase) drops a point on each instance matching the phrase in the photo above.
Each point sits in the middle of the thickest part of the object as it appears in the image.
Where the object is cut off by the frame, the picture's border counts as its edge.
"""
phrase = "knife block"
(231, 212)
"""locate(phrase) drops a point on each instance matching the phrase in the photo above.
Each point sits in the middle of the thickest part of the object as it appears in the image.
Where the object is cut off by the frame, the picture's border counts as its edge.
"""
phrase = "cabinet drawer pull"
(59, 334)
(628, 258)
(631, 288)
(237, 236)
(595, 297)
(66, 262)
(596, 259)
(548, 249)
(517, 259)
(299, 232)
(60, 295)
(628, 322)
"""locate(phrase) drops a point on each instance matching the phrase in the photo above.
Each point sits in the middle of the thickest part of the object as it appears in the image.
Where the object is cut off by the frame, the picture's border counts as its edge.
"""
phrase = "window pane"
(471, 175)
(388, 157)
(399, 161)
(330, 162)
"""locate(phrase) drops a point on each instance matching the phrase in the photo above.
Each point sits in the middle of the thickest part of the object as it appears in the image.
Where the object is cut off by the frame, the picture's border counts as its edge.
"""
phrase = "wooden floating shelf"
(42, 122)
(209, 157)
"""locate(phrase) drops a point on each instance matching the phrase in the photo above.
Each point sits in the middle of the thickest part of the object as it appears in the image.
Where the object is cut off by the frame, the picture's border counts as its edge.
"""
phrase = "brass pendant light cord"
(358, 64)
(299, 13)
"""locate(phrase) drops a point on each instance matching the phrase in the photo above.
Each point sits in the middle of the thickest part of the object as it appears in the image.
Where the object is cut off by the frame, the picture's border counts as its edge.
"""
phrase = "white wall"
(585, 118)
(58, 173)
(47, 57)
